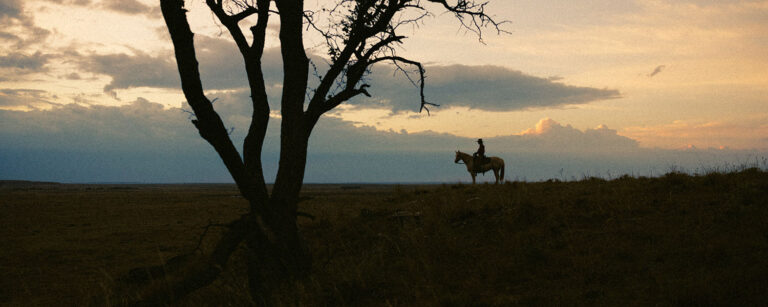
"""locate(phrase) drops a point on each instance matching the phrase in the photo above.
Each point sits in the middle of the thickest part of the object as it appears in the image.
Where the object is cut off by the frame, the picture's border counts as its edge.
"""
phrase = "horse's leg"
(473, 177)
(496, 174)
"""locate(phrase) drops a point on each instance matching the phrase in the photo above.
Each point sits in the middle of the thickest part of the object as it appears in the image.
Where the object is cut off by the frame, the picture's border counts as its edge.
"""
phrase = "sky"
(89, 92)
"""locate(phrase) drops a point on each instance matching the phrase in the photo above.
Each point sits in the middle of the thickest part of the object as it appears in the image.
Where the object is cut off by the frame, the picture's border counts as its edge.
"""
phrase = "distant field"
(674, 240)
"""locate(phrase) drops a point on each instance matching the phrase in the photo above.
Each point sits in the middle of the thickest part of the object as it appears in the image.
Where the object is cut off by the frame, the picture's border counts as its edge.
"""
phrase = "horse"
(496, 164)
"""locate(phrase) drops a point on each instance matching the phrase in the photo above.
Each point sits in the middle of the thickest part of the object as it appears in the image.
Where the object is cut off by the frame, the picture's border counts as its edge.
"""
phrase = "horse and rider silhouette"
(479, 163)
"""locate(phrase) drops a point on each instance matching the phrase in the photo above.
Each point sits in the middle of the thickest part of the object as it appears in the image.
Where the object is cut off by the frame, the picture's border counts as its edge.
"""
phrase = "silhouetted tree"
(358, 34)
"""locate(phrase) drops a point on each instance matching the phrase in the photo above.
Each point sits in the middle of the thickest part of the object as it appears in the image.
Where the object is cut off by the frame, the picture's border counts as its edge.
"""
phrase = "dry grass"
(62, 245)
(675, 240)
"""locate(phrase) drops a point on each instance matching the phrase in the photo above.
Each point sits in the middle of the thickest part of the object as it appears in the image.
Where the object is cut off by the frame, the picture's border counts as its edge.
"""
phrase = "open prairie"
(673, 240)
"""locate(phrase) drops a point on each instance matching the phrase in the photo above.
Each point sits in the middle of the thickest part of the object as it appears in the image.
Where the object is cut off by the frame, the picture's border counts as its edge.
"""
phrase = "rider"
(479, 156)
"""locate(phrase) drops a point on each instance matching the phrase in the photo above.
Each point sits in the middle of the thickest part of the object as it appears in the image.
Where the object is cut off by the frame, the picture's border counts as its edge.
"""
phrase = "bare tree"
(358, 34)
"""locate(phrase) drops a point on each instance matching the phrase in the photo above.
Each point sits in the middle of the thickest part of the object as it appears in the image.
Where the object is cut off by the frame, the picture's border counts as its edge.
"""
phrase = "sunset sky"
(89, 93)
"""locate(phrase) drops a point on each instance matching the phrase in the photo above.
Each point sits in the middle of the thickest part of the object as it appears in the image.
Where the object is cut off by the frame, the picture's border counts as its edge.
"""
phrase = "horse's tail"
(502, 172)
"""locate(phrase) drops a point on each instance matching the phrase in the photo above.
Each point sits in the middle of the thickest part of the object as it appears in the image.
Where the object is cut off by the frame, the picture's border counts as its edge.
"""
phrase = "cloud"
(656, 71)
(24, 62)
(4, 36)
(132, 7)
(143, 122)
(551, 136)
(490, 88)
(139, 141)
(17, 28)
(72, 76)
(335, 135)
(10, 9)
(28, 98)
(22, 35)
(130, 71)
(221, 67)
(72, 2)
(144, 142)
(742, 132)
(132, 127)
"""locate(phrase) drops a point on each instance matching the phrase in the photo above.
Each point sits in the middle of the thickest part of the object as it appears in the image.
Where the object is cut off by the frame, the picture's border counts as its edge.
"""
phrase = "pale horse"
(496, 164)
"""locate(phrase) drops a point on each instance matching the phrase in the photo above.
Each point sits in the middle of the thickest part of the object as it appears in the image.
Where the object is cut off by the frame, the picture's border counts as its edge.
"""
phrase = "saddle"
(479, 161)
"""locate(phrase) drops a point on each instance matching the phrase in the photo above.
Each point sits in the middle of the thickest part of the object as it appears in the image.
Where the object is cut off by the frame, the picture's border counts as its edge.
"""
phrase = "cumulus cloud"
(10, 9)
(551, 136)
(490, 88)
(132, 7)
(335, 135)
(8, 37)
(26, 98)
(17, 29)
(742, 132)
(140, 142)
(20, 35)
(22, 61)
(72, 76)
(143, 141)
(130, 71)
(138, 125)
(221, 67)
(236, 104)
(72, 2)
(143, 122)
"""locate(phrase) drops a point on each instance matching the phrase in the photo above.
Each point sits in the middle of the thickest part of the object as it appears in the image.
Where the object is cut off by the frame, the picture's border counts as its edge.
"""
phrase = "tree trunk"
(280, 257)
(275, 261)
(277, 254)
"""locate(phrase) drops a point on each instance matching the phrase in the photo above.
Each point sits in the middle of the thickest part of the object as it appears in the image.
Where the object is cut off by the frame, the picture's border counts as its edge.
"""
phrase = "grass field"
(677, 240)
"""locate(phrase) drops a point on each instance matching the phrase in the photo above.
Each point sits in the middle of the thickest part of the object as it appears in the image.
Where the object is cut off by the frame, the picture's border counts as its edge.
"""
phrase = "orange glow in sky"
(687, 72)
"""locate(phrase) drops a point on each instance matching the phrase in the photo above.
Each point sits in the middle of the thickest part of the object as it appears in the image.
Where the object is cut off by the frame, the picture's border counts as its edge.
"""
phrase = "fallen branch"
(196, 274)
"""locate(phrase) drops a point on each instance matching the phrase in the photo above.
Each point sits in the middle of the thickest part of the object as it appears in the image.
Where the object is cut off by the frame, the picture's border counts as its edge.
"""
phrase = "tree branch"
(294, 133)
(395, 60)
(357, 35)
(260, 29)
(230, 23)
(207, 122)
(476, 11)
(382, 43)
(345, 95)
(202, 274)
(244, 14)
(252, 146)
(254, 140)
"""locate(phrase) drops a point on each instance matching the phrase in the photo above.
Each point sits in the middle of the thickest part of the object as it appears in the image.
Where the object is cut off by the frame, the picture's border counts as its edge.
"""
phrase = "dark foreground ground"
(671, 241)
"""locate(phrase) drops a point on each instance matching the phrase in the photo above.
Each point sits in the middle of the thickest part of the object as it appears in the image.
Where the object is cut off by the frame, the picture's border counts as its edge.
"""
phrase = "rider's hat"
(479, 140)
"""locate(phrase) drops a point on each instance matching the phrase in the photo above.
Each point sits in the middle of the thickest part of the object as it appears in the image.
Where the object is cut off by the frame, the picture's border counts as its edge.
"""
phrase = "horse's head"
(458, 157)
